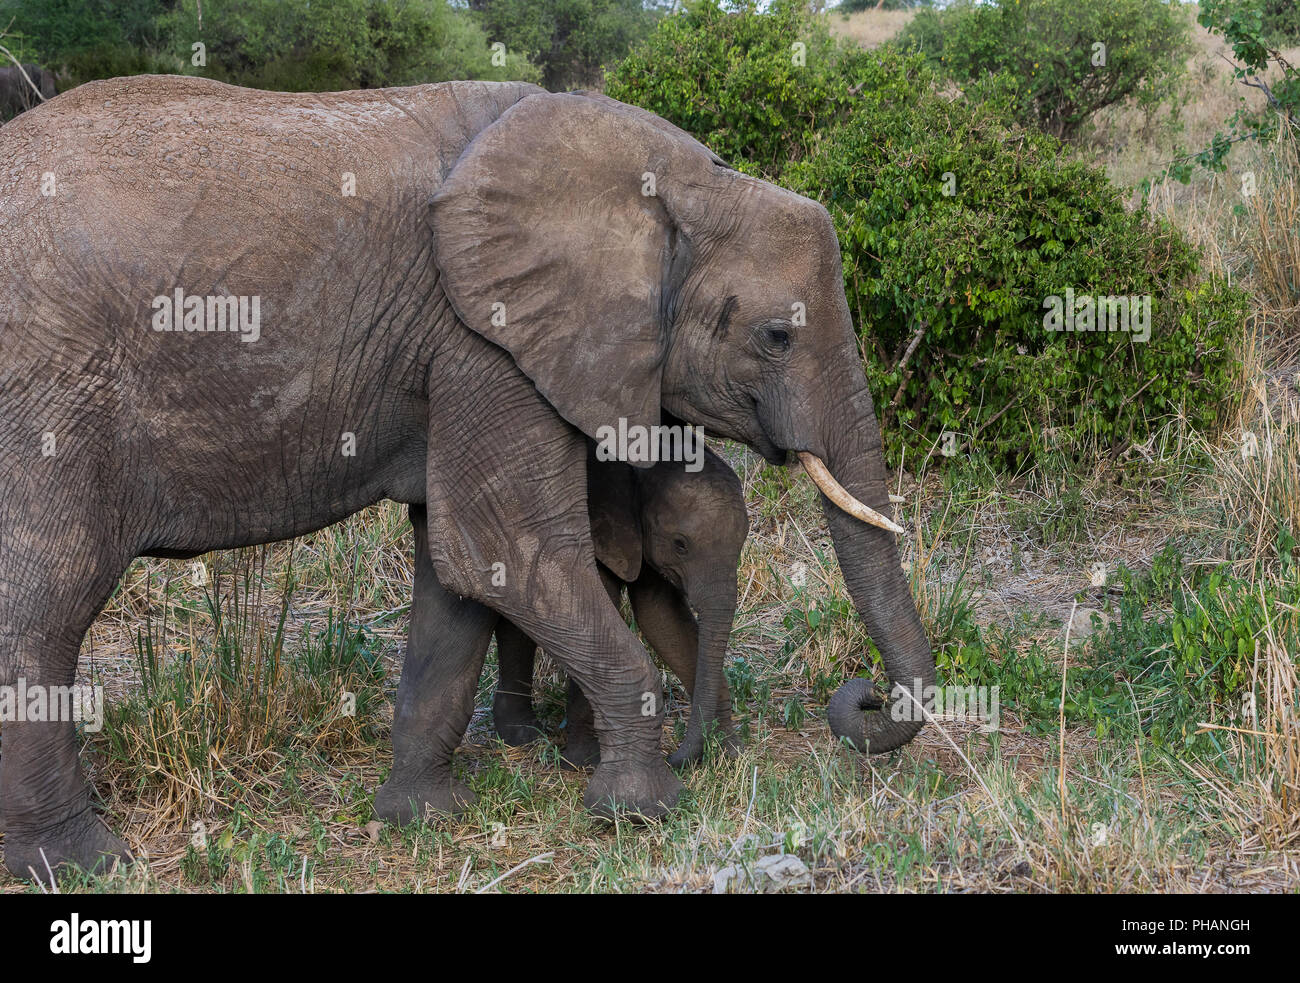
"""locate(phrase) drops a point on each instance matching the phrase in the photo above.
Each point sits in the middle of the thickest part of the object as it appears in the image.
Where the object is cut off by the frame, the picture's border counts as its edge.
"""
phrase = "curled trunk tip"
(856, 713)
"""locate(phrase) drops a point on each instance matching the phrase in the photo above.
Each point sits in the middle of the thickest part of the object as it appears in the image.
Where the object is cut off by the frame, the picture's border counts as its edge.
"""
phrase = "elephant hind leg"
(55, 576)
(512, 706)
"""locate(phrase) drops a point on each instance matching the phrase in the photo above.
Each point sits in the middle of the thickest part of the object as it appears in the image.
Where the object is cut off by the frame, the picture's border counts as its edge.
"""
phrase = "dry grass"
(1273, 243)
(870, 28)
(1133, 145)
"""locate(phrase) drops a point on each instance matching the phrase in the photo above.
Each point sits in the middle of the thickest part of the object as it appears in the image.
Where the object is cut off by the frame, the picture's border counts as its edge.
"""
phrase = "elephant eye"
(680, 545)
(778, 338)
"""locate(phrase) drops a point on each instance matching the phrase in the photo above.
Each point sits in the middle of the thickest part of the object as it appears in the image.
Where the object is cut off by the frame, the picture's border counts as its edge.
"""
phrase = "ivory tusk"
(833, 490)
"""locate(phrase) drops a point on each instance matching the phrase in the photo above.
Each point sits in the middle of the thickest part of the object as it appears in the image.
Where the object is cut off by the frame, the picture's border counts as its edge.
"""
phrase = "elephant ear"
(615, 517)
(559, 235)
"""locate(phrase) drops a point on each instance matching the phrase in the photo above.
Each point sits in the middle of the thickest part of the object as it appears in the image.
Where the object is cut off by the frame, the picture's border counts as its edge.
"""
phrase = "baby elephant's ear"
(555, 234)
(615, 518)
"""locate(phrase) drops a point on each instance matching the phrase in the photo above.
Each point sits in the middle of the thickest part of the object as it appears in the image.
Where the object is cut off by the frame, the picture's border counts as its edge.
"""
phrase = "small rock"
(775, 872)
(723, 879)
(782, 870)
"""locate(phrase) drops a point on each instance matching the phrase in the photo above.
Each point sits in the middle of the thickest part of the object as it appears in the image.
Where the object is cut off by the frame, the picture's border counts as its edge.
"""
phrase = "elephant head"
(628, 270)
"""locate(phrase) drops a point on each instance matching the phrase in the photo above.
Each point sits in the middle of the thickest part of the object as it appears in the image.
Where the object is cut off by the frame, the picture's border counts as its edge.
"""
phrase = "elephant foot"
(81, 841)
(693, 748)
(516, 723)
(402, 802)
(643, 791)
(581, 749)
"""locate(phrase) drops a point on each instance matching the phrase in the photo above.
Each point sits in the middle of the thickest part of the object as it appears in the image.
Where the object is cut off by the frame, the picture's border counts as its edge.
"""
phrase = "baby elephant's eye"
(778, 338)
(680, 545)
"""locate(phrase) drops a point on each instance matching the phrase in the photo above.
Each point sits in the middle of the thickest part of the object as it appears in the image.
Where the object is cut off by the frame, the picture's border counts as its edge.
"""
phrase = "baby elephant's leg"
(512, 706)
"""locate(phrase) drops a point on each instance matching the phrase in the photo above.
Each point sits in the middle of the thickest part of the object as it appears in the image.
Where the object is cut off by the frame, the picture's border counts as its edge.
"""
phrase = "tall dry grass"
(870, 28)
(1274, 240)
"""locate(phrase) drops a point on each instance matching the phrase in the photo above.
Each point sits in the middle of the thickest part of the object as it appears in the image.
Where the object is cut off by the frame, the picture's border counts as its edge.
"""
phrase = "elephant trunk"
(873, 574)
(710, 698)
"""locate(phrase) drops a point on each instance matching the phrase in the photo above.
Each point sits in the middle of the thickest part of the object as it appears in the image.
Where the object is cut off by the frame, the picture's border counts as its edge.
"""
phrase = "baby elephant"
(674, 538)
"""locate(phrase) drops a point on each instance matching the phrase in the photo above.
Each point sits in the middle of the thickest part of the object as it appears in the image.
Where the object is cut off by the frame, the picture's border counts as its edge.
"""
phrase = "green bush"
(293, 45)
(871, 135)
(1049, 48)
(731, 76)
(57, 28)
(969, 271)
(315, 45)
(1282, 21)
(570, 40)
(112, 60)
(83, 40)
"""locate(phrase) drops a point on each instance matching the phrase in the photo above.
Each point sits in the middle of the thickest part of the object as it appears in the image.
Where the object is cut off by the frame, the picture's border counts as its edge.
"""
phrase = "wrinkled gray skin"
(674, 538)
(497, 287)
(16, 95)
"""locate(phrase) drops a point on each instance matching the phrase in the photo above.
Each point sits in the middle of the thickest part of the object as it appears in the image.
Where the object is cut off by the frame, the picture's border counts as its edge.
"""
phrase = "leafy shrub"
(106, 61)
(966, 274)
(569, 40)
(316, 45)
(292, 45)
(1282, 21)
(955, 227)
(83, 40)
(1049, 48)
(732, 77)
(56, 28)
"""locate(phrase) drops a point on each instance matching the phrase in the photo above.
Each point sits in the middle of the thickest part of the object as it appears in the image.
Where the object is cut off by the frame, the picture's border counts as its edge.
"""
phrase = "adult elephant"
(18, 94)
(438, 291)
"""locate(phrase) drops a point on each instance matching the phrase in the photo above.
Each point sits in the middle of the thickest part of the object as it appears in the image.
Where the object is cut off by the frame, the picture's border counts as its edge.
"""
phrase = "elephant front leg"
(508, 526)
(435, 699)
(581, 745)
(564, 608)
